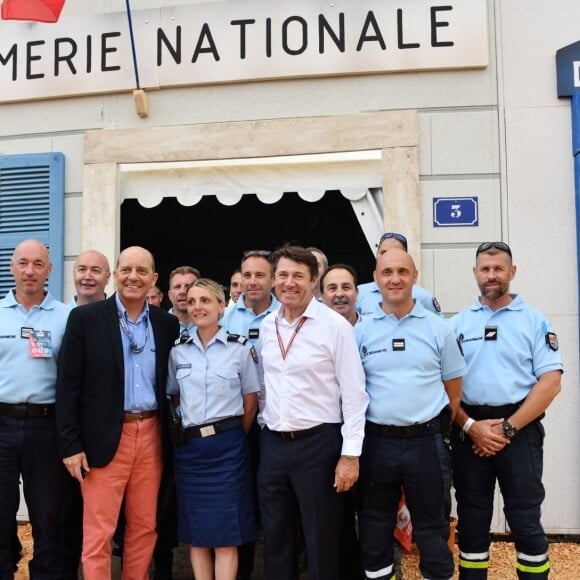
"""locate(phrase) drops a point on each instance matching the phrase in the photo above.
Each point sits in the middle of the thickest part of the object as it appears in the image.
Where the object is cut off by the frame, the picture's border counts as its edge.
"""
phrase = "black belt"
(402, 432)
(213, 428)
(479, 412)
(26, 410)
(293, 435)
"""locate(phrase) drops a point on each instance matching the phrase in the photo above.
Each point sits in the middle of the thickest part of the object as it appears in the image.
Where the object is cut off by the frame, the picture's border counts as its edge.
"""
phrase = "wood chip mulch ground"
(565, 560)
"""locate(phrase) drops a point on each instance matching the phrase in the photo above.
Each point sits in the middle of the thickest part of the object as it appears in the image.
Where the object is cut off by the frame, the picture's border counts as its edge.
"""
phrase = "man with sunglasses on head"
(513, 374)
(370, 295)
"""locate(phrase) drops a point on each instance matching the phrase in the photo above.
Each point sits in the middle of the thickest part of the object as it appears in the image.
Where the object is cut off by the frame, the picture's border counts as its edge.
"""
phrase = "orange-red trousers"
(135, 474)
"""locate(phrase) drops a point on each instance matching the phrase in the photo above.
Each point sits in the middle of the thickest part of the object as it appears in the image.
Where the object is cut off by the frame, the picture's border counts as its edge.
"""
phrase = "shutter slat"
(32, 206)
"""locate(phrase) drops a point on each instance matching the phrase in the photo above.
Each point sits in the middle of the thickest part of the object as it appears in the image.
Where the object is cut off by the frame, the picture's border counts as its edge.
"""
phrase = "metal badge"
(207, 431)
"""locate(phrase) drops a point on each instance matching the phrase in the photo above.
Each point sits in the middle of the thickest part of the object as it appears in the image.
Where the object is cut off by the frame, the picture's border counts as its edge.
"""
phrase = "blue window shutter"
(32, 206)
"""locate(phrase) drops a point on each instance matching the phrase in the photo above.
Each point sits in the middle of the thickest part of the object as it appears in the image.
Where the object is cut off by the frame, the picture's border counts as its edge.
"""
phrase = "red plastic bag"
(404, 529)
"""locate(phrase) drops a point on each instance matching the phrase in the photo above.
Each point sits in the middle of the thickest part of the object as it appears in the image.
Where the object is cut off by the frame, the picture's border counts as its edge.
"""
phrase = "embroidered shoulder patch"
(552, 340)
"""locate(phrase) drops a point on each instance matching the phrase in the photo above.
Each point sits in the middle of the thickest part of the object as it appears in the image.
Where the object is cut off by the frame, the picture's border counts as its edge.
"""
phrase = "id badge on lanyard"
(40, 344)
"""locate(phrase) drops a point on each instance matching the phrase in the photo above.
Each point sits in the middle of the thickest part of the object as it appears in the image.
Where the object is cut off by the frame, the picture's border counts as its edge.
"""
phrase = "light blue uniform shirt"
(239, 319)
(182, 328)
(406, 386)
(211, 382)
(369, 297)
(139, 368)
(503, 371)
(24, 379)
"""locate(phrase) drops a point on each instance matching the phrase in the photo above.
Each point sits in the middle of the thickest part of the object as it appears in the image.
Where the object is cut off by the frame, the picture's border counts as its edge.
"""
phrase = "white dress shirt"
(321, 380)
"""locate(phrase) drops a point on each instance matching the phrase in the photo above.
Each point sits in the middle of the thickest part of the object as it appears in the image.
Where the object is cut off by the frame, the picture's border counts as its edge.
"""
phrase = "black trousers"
(296, 477)
(28, 447)
(72, 527)
(422, 466)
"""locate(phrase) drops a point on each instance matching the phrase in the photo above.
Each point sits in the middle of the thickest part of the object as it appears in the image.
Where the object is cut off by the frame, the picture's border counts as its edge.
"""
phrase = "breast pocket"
(226, 381)
(182, 371)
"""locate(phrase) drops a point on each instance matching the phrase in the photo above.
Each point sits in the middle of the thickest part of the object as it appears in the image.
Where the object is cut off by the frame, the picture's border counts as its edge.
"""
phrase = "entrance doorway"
(212, 237)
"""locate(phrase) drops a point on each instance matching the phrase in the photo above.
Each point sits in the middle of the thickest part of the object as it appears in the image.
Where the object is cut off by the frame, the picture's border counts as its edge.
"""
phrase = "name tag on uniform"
(254, 333)
(398, 344)
(490, 333)
(40, 344)
(25, 332)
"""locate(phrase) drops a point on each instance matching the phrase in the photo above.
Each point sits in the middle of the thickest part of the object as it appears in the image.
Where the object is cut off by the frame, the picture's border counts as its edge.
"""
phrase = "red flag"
(37, 10)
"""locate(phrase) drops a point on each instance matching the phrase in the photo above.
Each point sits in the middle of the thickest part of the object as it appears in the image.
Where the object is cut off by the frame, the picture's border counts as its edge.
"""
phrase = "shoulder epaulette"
(183, 338)
(237, 338)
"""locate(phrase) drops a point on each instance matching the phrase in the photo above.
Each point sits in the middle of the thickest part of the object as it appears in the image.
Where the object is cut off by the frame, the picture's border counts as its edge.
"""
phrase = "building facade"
(248, 108)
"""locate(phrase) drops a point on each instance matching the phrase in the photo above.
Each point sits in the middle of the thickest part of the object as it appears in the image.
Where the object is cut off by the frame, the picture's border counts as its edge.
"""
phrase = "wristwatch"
(509, 430)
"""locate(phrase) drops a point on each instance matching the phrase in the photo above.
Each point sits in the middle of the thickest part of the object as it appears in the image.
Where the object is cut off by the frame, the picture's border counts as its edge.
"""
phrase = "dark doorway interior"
(212, 236)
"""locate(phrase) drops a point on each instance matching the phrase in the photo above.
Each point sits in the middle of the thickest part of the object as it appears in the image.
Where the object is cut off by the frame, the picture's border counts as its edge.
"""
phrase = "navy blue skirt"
(214, 494)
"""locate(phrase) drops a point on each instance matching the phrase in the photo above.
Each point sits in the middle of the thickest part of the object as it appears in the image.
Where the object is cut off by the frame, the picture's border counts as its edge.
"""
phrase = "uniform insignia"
(490, 333)
(237, 338)
(552, 340)
(398, 344)
(436, 304)
(183, 338)
(254, 355)
(460, 344)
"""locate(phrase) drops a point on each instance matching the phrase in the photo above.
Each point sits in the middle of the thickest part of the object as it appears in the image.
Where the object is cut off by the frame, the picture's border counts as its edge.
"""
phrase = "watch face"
(509, 430)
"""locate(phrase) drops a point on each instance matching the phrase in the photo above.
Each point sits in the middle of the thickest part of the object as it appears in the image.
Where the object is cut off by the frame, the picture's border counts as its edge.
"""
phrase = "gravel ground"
(565, 560)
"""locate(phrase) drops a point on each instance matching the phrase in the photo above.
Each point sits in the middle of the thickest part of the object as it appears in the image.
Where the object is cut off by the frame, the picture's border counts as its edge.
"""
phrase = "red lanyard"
(283, 350)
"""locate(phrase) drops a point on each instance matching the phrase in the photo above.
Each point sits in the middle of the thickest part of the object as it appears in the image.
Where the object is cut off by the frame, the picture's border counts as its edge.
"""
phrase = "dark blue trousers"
(422, 466)
(72, 527)
(518, 470)
(296, 478)
(28, 447)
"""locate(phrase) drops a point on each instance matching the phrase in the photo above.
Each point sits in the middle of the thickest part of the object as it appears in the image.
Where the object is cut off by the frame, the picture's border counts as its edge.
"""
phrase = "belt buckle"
(207, 431)
(21, 411)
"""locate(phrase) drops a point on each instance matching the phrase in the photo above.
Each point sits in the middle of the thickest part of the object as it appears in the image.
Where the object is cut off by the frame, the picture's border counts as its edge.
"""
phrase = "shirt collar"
(123, 311)
(516, 304)
(418, 311)
(220, 336)
(241, 304)
(311, 310)
(10, 301)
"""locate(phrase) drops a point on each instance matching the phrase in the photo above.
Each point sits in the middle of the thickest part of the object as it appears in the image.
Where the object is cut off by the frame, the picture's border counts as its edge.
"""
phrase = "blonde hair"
(212, 287)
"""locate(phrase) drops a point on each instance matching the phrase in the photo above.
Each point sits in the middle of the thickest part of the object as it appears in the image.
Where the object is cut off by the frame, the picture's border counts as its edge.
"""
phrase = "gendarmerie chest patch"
(490, 333)
(398, 344)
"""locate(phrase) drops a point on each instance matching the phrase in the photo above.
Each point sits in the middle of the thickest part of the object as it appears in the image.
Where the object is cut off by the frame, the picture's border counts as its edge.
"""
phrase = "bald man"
(32, 325)
(413, 367)
(111, 405)
(91, 274)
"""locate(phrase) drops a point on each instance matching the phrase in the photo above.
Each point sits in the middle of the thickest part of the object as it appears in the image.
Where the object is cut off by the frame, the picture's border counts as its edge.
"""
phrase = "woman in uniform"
(213, 378)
